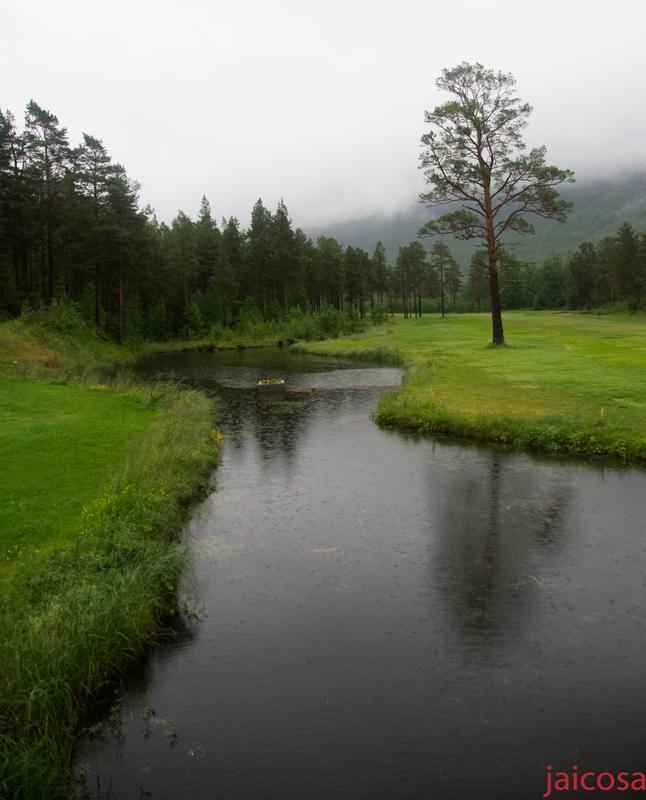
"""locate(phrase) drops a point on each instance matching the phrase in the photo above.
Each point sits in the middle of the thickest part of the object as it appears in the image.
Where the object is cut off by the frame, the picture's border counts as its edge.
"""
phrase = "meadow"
(63, 445)
(564, 383)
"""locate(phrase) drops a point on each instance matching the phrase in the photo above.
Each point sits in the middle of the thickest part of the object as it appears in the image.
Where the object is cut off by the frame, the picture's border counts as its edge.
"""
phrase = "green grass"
(62, 446)
(570, 383)
(74, 612)
(96, 479)
(35, 347)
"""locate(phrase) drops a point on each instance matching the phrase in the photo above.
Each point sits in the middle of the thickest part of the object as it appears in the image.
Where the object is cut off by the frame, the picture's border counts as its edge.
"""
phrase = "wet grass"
(565, 383)
(34, 349)
(62, 446)
(96, 480)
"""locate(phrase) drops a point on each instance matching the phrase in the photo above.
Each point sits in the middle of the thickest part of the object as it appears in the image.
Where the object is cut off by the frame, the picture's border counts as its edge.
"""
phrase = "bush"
(302, 325)
(378, 315)
(329, 321)
(62, 317)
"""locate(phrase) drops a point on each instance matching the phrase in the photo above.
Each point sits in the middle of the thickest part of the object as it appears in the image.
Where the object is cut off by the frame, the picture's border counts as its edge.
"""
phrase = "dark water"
(385, 617)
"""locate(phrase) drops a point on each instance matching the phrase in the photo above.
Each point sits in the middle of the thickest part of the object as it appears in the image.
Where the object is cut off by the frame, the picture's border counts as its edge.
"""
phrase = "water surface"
(382, 616)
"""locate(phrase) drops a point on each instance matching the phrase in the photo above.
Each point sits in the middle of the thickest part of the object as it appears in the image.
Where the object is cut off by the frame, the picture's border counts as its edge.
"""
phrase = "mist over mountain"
(600, 206)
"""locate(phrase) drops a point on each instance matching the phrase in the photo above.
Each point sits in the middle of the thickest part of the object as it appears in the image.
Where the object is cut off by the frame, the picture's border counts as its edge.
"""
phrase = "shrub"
(62, 317)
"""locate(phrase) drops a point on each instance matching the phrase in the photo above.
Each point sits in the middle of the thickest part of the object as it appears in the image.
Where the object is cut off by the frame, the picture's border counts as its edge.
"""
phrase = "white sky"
(320, 103)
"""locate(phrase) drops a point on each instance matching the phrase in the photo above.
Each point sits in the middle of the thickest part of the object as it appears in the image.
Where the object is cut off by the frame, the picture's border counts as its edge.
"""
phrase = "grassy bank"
(57, 342)
(95, 483)
(566, 383)
(65, 443)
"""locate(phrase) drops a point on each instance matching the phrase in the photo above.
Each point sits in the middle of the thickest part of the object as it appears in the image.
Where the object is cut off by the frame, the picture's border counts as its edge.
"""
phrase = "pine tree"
(329, 264)
(478, 278)
(93, 171)
(259, 249)
(48, 154)
(285, 271)
(207, 249)
(379, 273)
(474, 156)
(442, 262)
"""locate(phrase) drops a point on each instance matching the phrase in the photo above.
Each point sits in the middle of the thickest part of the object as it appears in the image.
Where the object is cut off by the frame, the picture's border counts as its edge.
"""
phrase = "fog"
(319, 103)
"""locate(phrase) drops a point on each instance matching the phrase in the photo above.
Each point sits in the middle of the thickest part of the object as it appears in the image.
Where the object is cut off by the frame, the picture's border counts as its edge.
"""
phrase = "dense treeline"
(610, 273)
(71, 227)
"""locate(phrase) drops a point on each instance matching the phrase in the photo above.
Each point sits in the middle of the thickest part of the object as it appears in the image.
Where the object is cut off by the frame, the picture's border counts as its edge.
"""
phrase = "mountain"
(599, 209)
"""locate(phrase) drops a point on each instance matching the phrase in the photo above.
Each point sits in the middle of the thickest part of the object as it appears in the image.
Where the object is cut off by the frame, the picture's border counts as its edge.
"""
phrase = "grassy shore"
(565, 383)
(96, 481)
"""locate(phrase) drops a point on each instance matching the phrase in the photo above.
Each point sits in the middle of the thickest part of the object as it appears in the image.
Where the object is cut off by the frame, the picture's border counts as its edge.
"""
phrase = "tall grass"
(374, 355)
(55, 340)
(73, 618)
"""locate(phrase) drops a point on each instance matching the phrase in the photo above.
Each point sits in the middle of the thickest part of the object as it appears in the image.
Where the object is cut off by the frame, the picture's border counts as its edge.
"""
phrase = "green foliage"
(474, 155)
(611, 273)
(376, 355)
(157, 327)
(473, 158)
(60, 317)
(330, 322)
(74, 614)
(378, 314)
(194, 322)
(598, 208)
(74, 227)
(297, 324)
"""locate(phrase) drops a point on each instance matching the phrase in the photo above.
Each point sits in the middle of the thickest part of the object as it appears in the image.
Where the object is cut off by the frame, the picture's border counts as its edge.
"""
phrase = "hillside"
(599, 208)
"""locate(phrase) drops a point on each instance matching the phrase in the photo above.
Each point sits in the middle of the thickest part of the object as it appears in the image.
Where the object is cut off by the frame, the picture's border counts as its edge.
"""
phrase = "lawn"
(61, 445)
(564, 382)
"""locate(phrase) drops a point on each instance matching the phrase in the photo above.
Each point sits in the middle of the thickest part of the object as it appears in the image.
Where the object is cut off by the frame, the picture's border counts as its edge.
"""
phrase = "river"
(382, 616)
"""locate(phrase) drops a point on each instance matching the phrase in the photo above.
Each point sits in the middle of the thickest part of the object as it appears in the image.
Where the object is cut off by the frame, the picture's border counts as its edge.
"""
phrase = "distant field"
(565, 382)
(60, 445)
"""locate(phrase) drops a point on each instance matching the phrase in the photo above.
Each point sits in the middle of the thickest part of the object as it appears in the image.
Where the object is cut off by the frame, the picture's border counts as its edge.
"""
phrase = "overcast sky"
(320, 103)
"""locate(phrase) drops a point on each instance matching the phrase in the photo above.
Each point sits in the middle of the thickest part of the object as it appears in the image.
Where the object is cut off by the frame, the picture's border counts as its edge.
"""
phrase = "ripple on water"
(387, 617)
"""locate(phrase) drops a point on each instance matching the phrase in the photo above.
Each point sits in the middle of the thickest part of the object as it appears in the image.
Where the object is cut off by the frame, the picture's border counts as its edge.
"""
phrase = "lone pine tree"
(474, 156)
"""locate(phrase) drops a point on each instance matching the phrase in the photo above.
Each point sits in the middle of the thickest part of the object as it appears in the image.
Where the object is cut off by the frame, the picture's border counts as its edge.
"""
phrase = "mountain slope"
(599, 208)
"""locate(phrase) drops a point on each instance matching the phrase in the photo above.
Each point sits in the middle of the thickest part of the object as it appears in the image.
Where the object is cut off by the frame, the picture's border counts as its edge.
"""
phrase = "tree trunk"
(120, 327)
(442, 290)
(97, 294)
(498, 335)
(50, 246)
(50, 256)
(97, 271)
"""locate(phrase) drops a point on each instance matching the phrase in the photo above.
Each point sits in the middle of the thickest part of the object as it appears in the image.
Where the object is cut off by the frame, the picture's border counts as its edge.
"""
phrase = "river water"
(380, 616)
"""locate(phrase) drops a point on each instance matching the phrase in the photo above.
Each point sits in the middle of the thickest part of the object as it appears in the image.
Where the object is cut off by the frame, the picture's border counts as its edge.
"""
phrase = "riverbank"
(97, 479)
(565, 383)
